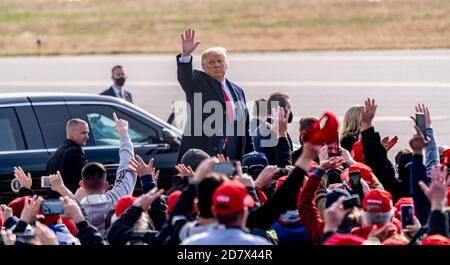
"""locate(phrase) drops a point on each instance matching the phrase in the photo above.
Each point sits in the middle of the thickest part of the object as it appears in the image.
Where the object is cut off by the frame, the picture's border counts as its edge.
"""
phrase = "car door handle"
(157, 146)
(111, 166)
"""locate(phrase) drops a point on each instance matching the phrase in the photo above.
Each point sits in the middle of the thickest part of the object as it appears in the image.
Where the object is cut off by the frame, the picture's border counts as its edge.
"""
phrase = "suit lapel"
(111, 91)
(237, 98)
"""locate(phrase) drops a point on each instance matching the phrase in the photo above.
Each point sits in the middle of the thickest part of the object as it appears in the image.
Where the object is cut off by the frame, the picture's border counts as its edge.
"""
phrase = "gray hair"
(377, 218)
(214, 50)
(71, 124)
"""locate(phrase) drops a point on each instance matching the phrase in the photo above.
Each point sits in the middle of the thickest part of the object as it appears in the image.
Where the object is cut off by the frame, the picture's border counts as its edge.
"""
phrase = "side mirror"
(171, 138)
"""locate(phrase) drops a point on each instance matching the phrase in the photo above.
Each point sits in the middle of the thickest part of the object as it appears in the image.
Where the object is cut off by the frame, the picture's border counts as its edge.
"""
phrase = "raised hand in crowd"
(365, 186)
(145, 200)
(188, 43)
(389, 143)
(437, 191)
(309, 153)
(370, 108)
(44, 235)
(9, 238)
(57, 183)
(222, 158)
(184, 171)
(265, 177)
(323, 153)
(418, 142)
(25, 180)
(138, 166)
(422, 108)
(347, 157)
(121, 125)
(289, 168)
(245, 179)
(31, 208)
(326, 162)
(72, 209)
(334, 215)
(280, 123)
(411, 230)
(7, 212)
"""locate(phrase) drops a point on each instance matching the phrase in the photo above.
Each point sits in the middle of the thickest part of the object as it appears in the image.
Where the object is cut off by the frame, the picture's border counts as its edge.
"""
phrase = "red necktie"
(229, 110)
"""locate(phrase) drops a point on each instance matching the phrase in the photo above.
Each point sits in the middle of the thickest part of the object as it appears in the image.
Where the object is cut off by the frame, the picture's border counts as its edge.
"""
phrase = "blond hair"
(352, 120)
(214, 50)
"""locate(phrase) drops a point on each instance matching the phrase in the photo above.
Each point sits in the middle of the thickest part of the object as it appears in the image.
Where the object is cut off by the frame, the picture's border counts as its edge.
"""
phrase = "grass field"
(137, 26)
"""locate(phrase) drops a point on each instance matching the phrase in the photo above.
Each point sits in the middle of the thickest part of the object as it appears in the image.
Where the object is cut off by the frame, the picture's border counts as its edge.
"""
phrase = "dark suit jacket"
(69, 159)
(197, 84)
(110, 92)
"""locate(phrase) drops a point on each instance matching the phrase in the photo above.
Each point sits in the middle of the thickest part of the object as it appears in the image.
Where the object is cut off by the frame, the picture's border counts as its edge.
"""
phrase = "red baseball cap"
(344, 239)
(123, 204)
(324, 130)
(377, 201)
(173, 199)
(358, 151)
(17, 205)
(231, 198)
(435, 240)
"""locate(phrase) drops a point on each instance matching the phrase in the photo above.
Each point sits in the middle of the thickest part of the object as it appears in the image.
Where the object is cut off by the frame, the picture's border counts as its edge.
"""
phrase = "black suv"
(32, 126)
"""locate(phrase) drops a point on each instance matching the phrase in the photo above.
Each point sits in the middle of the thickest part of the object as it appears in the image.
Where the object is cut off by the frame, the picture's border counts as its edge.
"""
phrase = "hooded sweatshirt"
(98, 205)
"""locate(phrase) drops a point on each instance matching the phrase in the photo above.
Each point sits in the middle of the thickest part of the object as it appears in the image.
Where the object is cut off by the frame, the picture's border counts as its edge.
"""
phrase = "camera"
(352, 201)
(52, 207)
(45, 182)
(225, 168)
(407, 215)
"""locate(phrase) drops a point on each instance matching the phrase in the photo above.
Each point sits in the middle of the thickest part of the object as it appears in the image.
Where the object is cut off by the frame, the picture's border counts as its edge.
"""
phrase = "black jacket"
(285, 198)
(69, 159)
(375, 156)
(122, 230)
(348, 141)
(110, 92)
(198, 86)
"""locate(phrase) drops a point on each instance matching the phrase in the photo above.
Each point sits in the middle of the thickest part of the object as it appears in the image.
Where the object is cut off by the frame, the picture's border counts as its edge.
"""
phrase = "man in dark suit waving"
(117, 89)
(226, 129)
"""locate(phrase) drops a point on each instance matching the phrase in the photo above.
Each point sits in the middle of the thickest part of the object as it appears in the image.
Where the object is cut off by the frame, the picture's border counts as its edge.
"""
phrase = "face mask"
(290, 118)
(120, 81)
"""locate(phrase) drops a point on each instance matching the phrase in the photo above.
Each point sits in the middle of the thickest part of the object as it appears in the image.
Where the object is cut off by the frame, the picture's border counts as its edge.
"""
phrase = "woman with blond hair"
(351, 126)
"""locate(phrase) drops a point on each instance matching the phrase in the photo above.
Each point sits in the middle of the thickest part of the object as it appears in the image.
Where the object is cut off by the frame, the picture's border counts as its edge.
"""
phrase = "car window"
(53, 120)
(103, 127)
(10, 132)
